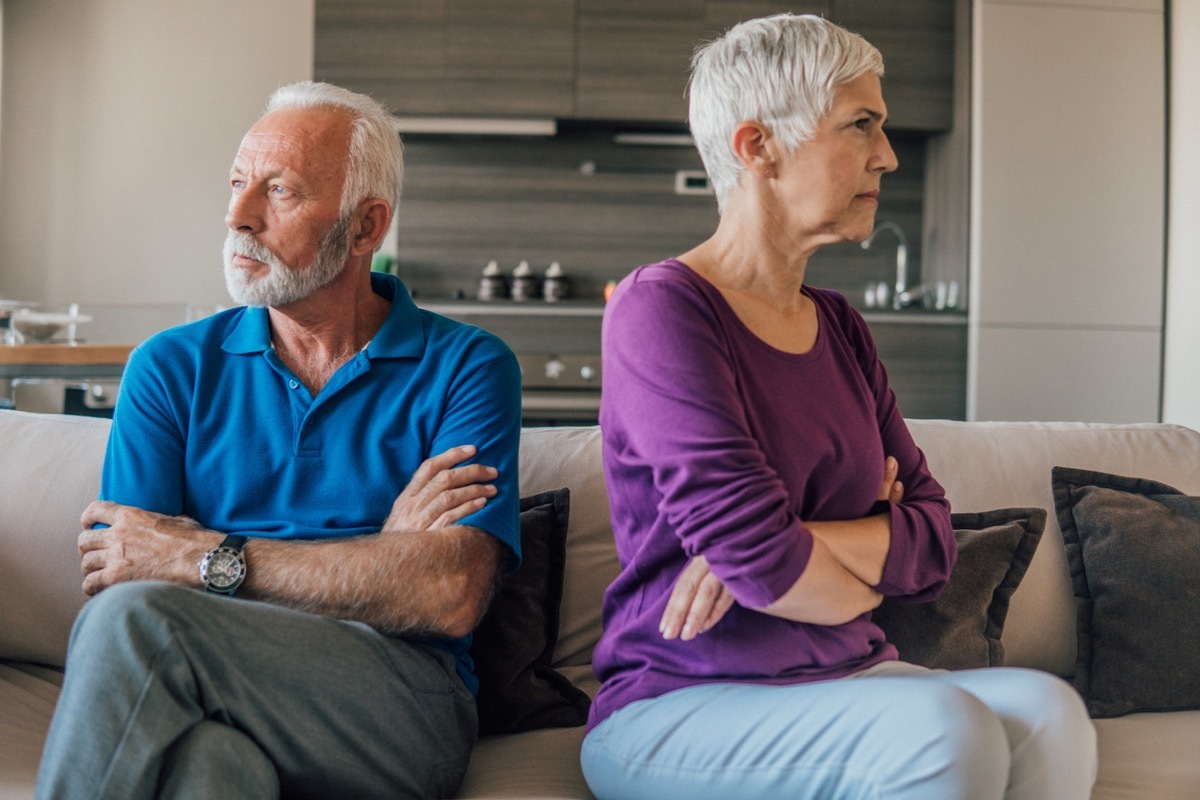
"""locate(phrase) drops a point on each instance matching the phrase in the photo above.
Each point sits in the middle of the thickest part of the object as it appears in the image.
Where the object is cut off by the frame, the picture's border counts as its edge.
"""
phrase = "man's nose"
(243, 214)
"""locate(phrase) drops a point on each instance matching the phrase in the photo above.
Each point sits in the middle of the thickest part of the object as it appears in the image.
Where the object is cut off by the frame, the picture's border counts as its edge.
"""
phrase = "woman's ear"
(752, 146)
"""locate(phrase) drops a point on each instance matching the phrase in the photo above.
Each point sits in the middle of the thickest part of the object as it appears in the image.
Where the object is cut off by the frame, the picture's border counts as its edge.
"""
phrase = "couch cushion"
(513, 645)
(961, 629)
(986, 465)
(27, 698)
(1133, 547)
(49, 472)
(535, 764)
(1148, 757)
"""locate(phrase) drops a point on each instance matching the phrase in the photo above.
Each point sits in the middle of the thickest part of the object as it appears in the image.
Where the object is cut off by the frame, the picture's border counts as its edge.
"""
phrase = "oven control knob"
(587, 372)
(555, 369)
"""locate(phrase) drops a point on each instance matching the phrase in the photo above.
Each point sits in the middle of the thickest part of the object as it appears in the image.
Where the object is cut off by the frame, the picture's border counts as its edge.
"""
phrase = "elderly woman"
(766, 493)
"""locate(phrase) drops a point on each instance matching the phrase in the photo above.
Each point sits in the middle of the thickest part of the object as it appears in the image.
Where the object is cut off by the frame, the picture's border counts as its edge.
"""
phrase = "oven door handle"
(560, 401)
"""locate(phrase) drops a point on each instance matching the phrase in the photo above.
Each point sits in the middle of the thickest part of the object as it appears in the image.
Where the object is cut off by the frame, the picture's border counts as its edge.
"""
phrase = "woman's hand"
(698, 602)
(891, 490)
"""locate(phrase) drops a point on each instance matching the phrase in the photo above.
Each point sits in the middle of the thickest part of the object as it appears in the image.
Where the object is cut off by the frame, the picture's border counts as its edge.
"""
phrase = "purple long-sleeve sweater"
(716, 443)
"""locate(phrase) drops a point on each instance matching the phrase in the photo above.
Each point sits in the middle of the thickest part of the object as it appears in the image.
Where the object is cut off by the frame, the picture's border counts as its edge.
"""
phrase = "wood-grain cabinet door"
(634, 57)
(452, 57)
(916, 38)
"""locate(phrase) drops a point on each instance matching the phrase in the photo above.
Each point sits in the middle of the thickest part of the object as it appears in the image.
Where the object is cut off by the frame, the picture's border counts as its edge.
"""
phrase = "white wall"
(1181, 388)
(119, 121)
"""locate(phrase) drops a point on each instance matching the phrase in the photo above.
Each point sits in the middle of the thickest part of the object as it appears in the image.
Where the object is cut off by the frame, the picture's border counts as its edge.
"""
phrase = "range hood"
(477, 126)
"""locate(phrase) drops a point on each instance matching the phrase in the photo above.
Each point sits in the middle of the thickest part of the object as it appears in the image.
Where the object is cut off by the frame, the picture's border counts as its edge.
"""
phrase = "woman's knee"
(958, 744)
(1037, 701)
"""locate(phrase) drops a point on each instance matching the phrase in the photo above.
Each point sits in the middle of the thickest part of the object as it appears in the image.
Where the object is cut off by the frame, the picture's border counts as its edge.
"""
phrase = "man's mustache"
(245, 244)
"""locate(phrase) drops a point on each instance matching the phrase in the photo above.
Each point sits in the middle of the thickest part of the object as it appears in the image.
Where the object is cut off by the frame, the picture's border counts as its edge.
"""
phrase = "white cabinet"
(1086, 374)
(1067, 210)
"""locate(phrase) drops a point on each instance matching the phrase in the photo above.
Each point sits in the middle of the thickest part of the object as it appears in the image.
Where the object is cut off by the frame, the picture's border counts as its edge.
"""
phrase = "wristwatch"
(222, 570)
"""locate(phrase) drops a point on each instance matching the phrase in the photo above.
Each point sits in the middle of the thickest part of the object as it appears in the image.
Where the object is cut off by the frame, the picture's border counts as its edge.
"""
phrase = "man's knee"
(129, 612)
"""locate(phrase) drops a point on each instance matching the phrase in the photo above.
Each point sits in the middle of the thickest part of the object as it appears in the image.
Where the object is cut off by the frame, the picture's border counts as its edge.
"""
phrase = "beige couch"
(49, 470)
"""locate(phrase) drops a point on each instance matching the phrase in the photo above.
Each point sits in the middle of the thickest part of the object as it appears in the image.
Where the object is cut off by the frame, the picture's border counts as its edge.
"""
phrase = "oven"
(557, 345)
(559, 389)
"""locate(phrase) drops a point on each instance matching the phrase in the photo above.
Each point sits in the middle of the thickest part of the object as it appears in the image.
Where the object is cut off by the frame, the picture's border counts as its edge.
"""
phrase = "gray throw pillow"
(512, 647)
(961, 628)
(1133, 548)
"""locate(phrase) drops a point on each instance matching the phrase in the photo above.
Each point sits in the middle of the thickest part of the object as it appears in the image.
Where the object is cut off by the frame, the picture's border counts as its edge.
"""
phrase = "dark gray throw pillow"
(961, 628)
(1133, 548)
(514, 643)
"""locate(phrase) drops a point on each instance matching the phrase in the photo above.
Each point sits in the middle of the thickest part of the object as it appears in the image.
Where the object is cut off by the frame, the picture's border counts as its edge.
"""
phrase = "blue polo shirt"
(211, 424)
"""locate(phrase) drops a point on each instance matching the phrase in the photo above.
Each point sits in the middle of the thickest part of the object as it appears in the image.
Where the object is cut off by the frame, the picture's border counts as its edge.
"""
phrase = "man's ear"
(752, 144)
(371, 226)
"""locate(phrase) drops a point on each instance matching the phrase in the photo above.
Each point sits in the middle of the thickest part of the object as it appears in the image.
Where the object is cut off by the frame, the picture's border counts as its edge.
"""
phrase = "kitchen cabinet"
(622, 60)
(1067, 211)
(634, 57)
(916, 38)
(451, 57)
(926, 357)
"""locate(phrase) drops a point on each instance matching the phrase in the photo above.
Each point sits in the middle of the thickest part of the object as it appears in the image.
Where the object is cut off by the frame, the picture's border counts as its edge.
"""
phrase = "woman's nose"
(885, 157)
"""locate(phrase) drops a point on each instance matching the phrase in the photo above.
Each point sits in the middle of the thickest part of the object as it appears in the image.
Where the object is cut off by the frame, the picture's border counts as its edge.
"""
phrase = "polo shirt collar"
(401, 335)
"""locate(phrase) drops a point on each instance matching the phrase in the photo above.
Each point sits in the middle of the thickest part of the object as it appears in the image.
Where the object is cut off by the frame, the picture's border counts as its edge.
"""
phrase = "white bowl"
(42, 326)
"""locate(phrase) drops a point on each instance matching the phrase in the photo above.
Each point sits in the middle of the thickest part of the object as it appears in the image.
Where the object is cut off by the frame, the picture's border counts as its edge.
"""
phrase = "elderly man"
(305, 504)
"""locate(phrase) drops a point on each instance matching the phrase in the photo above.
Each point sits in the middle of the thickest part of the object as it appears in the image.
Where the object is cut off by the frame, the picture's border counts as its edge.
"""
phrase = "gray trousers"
(170, 692)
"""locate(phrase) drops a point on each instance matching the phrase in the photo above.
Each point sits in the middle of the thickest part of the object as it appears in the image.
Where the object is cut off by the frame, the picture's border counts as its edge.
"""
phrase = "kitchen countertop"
(53, 360)
(590, 308)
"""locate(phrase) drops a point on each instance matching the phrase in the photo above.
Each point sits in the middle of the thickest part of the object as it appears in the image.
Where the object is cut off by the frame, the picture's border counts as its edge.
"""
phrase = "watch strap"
(234, 542)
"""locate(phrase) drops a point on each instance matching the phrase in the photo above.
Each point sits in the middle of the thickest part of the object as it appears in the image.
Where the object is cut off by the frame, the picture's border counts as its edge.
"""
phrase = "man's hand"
(698, 602)
(441, 493)
(140, 545)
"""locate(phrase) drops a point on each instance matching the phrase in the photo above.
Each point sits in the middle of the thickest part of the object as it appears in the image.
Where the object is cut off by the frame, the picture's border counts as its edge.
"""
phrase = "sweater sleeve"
(672, 415)
(923, 548)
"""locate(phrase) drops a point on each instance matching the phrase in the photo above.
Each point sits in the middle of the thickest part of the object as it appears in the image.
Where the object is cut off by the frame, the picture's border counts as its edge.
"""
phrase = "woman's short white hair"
(375, 165)
(781, 71)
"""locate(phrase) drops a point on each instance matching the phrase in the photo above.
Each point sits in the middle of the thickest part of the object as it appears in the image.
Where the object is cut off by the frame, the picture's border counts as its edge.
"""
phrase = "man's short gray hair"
(781, 71)
(375, 166)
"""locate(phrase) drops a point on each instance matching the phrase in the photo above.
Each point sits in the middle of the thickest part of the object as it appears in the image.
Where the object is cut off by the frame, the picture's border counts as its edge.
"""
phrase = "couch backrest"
(49, 472)
(985, 465)
(982, 466)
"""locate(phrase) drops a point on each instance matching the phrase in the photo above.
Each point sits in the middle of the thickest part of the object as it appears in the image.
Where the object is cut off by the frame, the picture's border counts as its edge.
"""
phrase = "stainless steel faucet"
(901, 296)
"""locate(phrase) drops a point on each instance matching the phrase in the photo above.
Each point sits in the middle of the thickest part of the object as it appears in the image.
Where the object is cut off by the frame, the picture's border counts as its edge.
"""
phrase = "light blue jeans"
(173, 693)
(894, 732)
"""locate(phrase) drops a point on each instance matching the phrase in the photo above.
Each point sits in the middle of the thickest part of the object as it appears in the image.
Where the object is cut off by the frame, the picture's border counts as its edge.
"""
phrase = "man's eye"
(237, 184)
(863, 123)
(279, 190)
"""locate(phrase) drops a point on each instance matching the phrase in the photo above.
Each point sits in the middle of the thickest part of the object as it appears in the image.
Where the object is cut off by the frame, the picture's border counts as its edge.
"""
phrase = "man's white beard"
(283, 284)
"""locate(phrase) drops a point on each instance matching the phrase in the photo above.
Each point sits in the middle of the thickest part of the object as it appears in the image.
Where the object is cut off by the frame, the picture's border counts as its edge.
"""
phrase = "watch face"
(223, 569)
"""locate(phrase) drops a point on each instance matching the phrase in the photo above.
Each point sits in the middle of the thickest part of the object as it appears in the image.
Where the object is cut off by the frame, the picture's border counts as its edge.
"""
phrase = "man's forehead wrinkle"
(293, 150)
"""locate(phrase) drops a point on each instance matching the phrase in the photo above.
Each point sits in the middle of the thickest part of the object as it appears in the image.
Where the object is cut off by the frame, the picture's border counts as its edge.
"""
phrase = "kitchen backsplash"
(597, 207)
